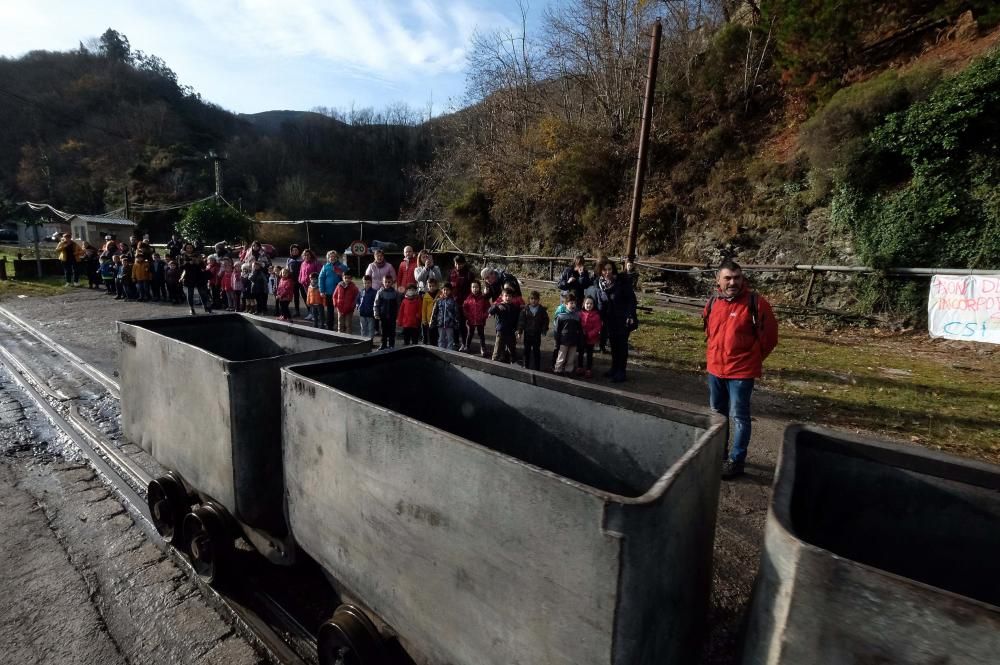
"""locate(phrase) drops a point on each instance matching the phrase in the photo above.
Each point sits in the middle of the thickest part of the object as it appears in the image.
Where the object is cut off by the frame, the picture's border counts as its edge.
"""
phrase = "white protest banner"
(965, 308)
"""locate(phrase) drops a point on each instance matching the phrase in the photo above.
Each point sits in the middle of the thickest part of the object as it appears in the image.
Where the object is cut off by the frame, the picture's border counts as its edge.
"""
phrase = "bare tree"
(599, 45)
(688, 26)
(502, 77)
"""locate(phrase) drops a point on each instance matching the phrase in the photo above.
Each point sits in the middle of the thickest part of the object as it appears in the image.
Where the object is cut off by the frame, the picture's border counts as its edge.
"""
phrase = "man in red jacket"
(741, 332)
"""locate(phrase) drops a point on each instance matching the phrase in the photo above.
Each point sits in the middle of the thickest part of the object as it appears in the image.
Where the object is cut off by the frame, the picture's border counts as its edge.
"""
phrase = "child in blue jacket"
(366, 307)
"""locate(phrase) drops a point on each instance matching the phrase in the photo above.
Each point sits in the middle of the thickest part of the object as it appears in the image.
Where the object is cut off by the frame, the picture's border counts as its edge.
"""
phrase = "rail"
(253, 613)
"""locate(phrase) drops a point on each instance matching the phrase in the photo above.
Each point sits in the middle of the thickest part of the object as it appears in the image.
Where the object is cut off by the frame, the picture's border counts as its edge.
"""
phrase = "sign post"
(965, 308)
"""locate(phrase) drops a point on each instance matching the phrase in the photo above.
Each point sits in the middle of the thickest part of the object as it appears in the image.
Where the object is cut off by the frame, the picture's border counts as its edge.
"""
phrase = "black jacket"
(536, 324)
(616, 304)
(579, 284)
(506, 316)
(496, 288)
(258, 284)
(386, 305)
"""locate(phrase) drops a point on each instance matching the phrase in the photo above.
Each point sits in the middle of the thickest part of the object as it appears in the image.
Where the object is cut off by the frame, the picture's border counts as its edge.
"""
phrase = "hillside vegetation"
(81, 128)
(790, 131)
(837, 131)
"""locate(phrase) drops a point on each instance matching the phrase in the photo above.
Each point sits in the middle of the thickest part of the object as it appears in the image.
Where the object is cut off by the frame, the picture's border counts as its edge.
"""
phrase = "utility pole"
(128, 210)
(640, 168)
(217, 159)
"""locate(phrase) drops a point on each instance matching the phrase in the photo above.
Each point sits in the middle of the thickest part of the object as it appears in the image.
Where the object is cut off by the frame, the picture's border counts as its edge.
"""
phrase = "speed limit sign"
(358, 247)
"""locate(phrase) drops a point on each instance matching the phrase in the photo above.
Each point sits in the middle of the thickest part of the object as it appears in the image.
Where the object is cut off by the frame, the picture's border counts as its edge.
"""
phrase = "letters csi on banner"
(966, 308)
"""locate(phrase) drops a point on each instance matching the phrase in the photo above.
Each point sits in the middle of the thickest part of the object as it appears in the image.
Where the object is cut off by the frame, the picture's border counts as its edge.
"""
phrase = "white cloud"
(251, 55)
(382, 38)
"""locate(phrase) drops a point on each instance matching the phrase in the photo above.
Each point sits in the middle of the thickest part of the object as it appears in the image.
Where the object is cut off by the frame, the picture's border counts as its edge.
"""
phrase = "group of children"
(429, 315)
(436, 318)
(140, 277)
(144, 276)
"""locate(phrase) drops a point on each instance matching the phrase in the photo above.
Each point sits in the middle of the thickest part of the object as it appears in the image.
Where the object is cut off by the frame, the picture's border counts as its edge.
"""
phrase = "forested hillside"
(79, 128)
(784, 131)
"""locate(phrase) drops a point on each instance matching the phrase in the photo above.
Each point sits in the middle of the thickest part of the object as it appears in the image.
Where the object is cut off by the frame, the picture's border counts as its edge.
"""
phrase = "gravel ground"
(84, 322)
(81, 583)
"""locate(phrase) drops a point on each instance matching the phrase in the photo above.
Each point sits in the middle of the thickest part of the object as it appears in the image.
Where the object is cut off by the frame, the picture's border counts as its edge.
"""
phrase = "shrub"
(211, 221)
(836, 133)
(923, 189)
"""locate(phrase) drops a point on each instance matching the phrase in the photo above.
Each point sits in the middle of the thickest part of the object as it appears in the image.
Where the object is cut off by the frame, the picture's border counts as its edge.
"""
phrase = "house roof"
(109, 221)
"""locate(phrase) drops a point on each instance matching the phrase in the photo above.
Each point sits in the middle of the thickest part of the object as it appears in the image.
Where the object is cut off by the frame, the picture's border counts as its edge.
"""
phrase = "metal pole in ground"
(38, 252)
(640, 169)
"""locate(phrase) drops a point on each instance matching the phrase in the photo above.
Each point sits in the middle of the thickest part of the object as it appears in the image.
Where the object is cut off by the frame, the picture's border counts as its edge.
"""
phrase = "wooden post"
(809, 289)
(552, 270)
(647, 116)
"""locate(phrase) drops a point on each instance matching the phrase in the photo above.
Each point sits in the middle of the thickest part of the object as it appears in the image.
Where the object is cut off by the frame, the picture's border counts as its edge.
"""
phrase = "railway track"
(81, 402)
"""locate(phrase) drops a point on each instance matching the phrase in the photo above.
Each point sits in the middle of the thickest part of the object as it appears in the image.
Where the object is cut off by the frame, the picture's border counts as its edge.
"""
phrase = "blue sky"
(257, 55)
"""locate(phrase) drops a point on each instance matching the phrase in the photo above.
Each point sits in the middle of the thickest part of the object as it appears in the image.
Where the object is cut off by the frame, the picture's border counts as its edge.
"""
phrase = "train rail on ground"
(253, 612)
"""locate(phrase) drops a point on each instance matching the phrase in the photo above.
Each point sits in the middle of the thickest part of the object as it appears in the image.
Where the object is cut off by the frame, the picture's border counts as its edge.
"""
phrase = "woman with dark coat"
(195, 277)
(616, 304)
(294, 264)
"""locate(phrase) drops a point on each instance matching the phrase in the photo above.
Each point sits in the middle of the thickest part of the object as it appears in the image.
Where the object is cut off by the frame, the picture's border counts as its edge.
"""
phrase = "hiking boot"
(579, 371)
(732, 469)
(587, 374)
(618, 377)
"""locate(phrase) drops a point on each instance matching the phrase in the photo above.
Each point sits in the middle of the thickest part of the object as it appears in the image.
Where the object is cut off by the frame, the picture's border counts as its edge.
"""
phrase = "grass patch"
(13, 287)
(47, 286)
(941, 395)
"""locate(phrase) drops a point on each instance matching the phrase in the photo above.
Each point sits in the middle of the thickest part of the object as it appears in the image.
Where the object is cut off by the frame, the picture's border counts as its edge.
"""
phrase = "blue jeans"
(731, 398)
(368, 326)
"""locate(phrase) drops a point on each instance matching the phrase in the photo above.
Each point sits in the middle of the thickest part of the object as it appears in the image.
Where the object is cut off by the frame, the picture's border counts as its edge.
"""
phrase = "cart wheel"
(349, 638)
(168, 502)
(209, 540)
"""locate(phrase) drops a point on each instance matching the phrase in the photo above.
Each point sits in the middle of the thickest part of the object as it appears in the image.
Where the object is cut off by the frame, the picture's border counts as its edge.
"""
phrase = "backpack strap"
(708, 313)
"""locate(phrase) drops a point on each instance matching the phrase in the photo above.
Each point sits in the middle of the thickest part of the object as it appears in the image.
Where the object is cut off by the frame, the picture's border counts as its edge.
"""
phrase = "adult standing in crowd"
(329, 278)
(110, 249)
(310, 265)
(255, 254)
(616, 304)
(67, 251)
(174, 246)
(426, 270)
(194, 277)
(293, 265)
(133, 247)
(576, 279)
(461, 278)
(494, 280)
(407, 267)
(379, 268)
(221, 252)
(741, 332)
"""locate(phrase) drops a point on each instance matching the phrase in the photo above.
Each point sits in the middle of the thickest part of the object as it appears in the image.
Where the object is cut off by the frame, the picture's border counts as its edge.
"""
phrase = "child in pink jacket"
(286, 291)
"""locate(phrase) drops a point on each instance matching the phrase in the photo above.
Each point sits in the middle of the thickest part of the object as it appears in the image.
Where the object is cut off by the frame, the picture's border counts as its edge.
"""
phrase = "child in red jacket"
(476, 309)
(345, 300)
(409, 315)
(590, 321)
